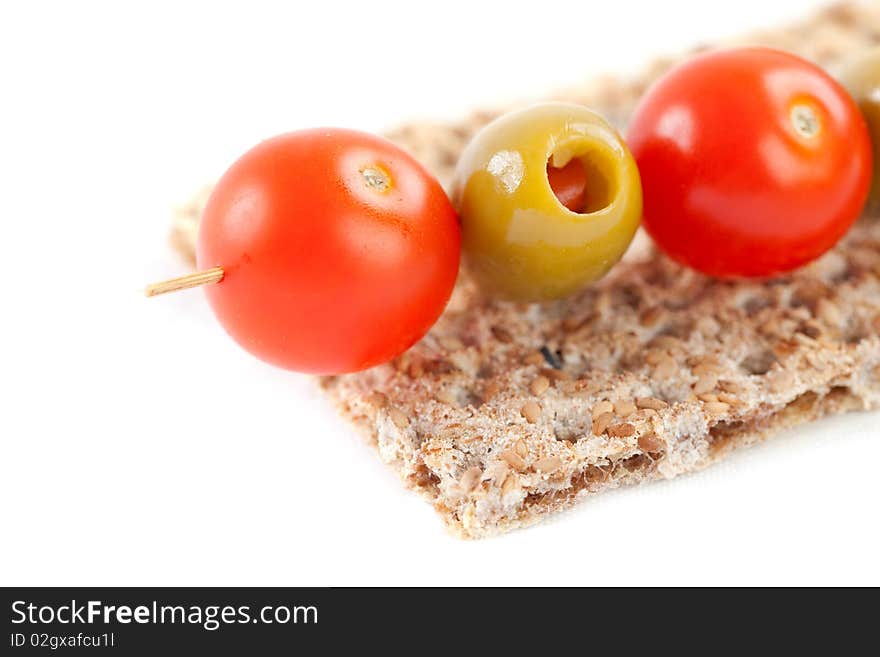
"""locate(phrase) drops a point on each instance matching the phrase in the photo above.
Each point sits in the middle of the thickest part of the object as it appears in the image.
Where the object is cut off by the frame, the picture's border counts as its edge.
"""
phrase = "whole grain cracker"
(696, 368)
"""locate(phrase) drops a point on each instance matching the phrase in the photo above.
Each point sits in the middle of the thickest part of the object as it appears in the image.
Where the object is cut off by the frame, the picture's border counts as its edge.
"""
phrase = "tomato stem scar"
(377, 178)
(804, 120)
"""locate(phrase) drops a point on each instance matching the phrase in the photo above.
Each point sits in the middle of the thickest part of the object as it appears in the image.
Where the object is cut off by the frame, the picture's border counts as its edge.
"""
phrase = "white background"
(139, 445)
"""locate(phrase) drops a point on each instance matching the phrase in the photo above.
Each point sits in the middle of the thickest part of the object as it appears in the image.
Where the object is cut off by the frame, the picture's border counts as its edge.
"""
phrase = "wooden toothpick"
(206, 277)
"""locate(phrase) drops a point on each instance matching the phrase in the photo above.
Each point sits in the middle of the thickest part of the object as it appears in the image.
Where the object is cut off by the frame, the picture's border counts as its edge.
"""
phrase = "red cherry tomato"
(569, 183)
(753, 162)
(339, 250)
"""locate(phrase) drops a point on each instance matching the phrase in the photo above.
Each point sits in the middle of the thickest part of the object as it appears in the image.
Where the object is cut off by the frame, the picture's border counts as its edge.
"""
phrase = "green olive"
(861, 76)
(519, 239)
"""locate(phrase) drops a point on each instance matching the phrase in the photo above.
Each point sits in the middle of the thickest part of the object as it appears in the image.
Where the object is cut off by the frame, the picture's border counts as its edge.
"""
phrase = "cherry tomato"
(339, 250)
(753, 162)
(569, 183)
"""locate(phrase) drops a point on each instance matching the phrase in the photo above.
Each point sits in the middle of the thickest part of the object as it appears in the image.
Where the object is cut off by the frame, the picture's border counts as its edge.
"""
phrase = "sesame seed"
(451, 343)
(649, 442)
(770, 327)
(602, 407)
(521, 448)
(402, 363)
(531, 411)
(556, 375)
(416, 369)
(600, 423)
(502, 335)
(622, 430)
(548, 464)
(568, 387)
(705, 383)
(667, 342)
(665, 368)
(705, 368)
(728, 399)
(708, 326)
(624, 407)
(490, 390)
(782, 381)
(470, 478)
(810, 329)
(513, 459)
(828, 312)
(708, 397)
(539, 385)
(636, 462)
(534, 358)
(653, 356)
(731, 387)
(400, 420)
(707, 359)
(651, 402)
(651, 316)
(510, 484)
(784, 348)
(438, 366)
(594, 474)
(377, 399)
(717, 408)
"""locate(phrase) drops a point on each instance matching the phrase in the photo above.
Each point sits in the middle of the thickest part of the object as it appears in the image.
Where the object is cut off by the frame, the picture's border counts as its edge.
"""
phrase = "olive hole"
(582, 184)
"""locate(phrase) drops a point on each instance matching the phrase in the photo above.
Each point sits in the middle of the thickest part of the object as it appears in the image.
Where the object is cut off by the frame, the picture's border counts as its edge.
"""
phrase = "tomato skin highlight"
(753, 162)
(340, 251)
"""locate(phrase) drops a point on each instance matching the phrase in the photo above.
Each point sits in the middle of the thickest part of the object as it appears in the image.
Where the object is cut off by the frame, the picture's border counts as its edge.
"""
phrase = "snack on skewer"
(326, 251)
(503, 413)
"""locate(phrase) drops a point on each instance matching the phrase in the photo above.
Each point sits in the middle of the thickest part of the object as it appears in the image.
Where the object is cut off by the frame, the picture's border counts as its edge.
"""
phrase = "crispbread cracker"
(505, 412)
